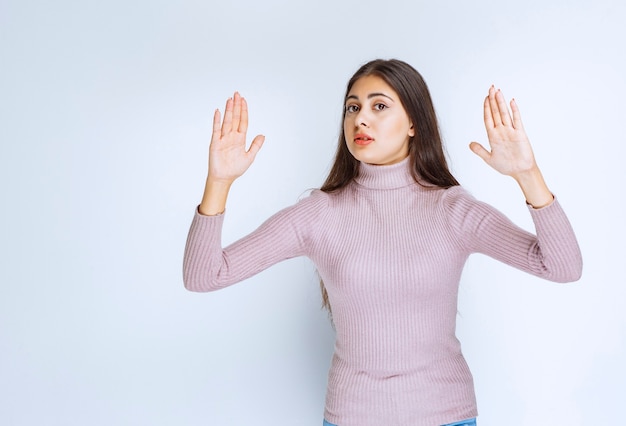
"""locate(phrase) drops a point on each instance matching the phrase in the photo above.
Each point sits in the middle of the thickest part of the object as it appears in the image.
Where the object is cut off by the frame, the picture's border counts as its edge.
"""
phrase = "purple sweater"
(390, 253)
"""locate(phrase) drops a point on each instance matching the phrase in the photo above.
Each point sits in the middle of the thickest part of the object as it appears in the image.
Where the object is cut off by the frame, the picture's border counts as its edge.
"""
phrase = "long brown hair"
(427, 158)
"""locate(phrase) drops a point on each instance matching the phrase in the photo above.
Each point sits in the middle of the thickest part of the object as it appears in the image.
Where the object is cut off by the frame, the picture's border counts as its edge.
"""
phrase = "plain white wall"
(105, 114)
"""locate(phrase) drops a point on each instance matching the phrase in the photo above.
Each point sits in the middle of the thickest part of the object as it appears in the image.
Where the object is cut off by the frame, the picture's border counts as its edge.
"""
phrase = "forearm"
(534, 188)
(214, 198)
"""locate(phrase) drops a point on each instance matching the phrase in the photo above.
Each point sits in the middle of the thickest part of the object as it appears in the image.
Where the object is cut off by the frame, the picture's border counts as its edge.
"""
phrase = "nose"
(361, 119)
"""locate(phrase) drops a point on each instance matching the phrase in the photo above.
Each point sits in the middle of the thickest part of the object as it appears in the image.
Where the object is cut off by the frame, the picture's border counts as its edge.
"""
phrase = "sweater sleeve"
(207, 266)
(553, 253)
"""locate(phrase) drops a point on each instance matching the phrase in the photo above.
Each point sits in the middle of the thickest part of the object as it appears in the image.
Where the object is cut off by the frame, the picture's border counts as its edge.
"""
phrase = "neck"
(396, 175)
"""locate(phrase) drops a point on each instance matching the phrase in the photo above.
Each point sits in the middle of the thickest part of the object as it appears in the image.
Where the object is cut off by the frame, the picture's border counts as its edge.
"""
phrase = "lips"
(362, 139)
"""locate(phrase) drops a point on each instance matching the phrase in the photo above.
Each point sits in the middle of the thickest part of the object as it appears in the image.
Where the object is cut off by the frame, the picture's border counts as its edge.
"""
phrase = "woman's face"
(376, 126)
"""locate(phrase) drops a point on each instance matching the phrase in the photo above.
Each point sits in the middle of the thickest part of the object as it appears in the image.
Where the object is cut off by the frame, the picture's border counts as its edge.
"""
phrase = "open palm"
(228, 156)
(511, 153)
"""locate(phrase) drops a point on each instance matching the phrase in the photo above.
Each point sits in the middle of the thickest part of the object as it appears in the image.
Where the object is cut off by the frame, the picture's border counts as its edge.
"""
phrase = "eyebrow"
(371, 95)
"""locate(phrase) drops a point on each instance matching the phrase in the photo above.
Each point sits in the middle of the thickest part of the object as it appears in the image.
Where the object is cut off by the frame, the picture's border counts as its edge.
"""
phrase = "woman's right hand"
(228, 156)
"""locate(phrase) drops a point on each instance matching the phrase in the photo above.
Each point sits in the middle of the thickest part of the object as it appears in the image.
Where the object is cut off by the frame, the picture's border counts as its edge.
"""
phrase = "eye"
(352, 108)
(380, 107)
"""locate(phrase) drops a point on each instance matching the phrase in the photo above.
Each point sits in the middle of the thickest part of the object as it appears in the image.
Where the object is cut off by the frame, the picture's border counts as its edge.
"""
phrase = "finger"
(243, 123)
(236, 111)
(488, 117)
(256, 145)
(517, 116)
(227, 125)
(493, 105)
(216, 124)
(505, 116)
(480, 150)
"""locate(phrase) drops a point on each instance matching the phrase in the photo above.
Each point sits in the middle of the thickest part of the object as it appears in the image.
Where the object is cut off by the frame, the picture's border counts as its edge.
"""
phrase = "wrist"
(214, 198)
(218, 183)
(534, 187)
(529, 177)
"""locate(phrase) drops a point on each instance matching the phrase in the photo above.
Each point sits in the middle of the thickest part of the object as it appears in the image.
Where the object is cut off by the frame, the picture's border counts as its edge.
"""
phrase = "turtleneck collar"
(394, 176)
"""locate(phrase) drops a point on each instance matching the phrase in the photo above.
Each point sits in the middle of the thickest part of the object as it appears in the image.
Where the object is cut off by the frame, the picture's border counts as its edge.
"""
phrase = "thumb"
(480, 150)
(256, 145)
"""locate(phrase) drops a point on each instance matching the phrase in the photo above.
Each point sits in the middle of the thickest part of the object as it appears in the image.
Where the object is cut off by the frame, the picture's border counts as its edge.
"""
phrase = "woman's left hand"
(511, 153)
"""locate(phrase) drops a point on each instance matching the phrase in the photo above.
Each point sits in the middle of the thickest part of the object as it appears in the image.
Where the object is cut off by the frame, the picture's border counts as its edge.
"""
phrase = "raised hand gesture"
(511, 153)
(228, 156)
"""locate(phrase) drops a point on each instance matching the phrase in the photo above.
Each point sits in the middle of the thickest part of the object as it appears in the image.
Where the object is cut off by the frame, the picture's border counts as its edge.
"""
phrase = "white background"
(105, 112)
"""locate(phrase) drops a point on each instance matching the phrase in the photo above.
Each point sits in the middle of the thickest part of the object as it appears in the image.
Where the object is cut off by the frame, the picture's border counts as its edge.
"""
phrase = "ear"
(411, 130)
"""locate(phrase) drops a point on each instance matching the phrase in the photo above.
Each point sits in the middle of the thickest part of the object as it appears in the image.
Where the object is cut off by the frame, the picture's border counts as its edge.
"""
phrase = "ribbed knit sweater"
(390, 253)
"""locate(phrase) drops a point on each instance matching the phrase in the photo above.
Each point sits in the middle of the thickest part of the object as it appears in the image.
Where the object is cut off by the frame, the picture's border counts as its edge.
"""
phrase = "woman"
(389, 233)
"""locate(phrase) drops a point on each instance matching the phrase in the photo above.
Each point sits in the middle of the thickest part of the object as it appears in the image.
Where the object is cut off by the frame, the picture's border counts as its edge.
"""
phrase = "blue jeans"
(468, 422)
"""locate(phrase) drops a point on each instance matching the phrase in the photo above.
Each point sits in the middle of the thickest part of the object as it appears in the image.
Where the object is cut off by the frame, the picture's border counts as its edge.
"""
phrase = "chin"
(363, 156)
(370, 155)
